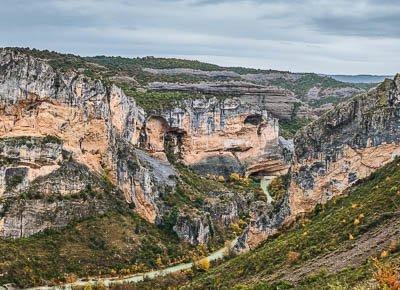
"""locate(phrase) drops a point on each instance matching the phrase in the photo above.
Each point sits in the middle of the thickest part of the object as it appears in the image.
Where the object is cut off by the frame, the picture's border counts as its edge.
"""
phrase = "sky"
(333, 37)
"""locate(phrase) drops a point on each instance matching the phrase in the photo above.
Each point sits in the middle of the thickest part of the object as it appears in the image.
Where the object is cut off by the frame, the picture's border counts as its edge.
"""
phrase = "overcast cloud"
(351, 37)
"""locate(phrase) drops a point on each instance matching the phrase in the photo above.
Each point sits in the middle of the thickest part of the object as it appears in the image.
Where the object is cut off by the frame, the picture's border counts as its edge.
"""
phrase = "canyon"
(75, 144)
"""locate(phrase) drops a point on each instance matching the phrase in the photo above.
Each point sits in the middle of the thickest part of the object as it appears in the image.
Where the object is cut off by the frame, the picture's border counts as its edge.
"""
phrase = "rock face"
(69, 193)
(72, 147)
(92, 120)
(317, 93)
(301, 89)
(219, 137)
(346, 144)
(279, 102)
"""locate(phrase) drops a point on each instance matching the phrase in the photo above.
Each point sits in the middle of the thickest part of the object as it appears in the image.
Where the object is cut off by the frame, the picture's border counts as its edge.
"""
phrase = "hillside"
(294, 98)
(141, 164)
(134, 73)
(331, 248)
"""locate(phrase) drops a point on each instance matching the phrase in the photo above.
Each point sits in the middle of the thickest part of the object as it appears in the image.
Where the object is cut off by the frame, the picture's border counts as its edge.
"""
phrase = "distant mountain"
(367, 79)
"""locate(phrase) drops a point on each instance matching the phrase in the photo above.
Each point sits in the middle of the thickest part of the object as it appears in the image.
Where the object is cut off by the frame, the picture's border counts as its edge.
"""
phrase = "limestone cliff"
(72, 146)
(279, 102)
(219, 137)
(345, 145)
(91, 123)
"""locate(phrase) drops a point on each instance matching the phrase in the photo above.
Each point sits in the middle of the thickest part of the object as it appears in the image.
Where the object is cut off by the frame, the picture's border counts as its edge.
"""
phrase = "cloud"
(297, 35)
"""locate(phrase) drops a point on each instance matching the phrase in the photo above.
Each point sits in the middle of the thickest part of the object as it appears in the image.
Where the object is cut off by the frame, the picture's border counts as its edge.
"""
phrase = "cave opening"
(255, 119)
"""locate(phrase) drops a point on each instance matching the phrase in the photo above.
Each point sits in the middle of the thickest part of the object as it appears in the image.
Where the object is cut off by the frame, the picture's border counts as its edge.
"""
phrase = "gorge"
(199, 155)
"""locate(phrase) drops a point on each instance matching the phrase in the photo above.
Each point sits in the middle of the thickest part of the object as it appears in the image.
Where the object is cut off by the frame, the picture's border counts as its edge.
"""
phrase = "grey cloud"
(385, 25)
(299, 35)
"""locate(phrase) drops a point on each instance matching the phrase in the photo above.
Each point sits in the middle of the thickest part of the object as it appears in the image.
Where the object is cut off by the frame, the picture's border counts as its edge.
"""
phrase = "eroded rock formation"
(280, 103)
(346, 144)
(71, 147)
(91, 120)
(220, 137)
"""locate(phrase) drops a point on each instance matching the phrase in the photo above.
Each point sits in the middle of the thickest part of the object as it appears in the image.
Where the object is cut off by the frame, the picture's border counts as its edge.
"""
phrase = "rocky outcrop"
(345, 145)
(318, 93)
(91, 119)
(279, 102)
(219, 136)
(194, 229)
(65, 139)
(264, 223)
(301, 88)
(25, 159)
(67, 194)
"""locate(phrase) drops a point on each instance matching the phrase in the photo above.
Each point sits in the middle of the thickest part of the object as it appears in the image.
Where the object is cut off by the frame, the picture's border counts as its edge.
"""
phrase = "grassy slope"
(116, 243)
(119, 242)
(326, 230)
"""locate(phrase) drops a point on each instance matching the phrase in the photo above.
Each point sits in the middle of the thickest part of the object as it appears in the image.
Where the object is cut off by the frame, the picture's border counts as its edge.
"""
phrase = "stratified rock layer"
(65, 139)
(91, 120)
(346, 144)
(219, 137)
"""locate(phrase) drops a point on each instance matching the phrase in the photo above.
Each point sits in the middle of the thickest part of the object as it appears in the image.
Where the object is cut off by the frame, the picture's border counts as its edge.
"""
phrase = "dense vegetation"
(115, 243)
(328, 229)
(288, 128)
(334, 226)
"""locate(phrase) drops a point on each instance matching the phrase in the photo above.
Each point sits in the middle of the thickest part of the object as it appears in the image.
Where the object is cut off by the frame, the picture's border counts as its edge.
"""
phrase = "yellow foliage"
(246, 181)
(159, 262)
(125, 271)
(221, 178)
(87, 287)
(234, 177)
(242, 223)
(351, 237)
(356, 222)
(236, 228)
(203, 264)
(354, 205)
(71, 278)
(113, 272)
(361, 216)
(386, 276)
(100, 286)
(384, 254)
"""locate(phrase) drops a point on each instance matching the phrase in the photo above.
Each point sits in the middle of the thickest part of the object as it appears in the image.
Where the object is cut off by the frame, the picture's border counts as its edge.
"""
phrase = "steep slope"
(330, 246)
(73, 147)
(344, 145)
(117, 242)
